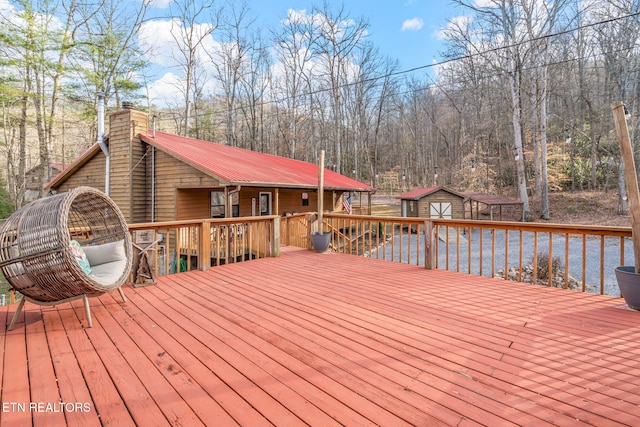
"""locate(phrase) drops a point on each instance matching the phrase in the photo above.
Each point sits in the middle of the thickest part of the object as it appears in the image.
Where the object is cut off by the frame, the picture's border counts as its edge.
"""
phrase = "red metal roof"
(238, 166)
(490, 200)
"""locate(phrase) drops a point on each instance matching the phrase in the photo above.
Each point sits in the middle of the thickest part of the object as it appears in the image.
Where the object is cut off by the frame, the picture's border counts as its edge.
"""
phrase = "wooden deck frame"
(327, 339)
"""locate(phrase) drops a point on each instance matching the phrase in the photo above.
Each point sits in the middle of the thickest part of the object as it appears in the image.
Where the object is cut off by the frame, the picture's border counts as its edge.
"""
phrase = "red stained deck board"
(371, 366)
(259, 368)
(144, 369)
(377, 344)
(230, 365)
(116, 393)
(259, 325)
(185, 385)
(302, 318)
(70, 380)
(42, 379)
(323, 338)
(337, 267)
(198, 359)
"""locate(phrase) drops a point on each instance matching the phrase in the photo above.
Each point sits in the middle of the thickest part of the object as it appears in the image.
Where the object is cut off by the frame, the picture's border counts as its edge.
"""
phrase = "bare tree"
(339, 38)
(618, 40)
(253, 85)
(192, 23)
(231, 60)
(293, 44)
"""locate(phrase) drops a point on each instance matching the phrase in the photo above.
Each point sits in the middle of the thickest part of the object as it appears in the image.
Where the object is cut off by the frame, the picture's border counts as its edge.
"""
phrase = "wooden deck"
(325, 339)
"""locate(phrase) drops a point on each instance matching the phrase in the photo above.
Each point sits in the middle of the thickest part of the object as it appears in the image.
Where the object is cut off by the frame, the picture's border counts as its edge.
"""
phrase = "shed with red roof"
(156, 176)
(433, 202)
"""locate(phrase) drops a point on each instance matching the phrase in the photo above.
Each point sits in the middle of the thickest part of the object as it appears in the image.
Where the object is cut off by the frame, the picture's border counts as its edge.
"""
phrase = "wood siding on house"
(172, 177)
(193, 204)
(91, 174)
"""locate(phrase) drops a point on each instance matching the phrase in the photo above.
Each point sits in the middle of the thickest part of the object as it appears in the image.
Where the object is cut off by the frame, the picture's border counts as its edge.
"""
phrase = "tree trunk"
(517, 135)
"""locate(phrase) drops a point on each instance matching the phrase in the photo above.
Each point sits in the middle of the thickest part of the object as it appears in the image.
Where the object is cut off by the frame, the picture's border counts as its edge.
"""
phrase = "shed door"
(440, 210)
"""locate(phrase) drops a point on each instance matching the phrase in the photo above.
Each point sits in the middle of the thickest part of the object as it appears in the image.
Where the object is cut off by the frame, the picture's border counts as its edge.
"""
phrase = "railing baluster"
(481, 244)
(520, 265)
(584, 262)
(601, 265)
(550, 260)
(535, 257)
(566, 260)
(493, 254)
(506, 253)
(469, 250)
(458, 244)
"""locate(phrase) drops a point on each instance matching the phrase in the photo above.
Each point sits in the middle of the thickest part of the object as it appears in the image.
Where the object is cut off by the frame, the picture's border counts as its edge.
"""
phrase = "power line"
(441, 63)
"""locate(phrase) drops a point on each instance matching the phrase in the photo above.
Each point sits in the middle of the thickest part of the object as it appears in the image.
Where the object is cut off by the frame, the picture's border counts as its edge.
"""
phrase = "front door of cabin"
(265, 203)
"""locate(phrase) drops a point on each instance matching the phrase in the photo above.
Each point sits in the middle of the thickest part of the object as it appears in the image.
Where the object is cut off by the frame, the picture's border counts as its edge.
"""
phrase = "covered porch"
(325, 339)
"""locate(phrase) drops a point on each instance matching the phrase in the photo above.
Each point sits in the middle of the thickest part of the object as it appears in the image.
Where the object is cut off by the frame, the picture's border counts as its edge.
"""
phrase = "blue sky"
(414, 46)
(403, 30)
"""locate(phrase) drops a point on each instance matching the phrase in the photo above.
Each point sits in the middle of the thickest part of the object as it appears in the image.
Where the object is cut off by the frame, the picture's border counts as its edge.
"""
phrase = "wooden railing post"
(275, 244)
(429, 245)
(311, 218)
(204, 250)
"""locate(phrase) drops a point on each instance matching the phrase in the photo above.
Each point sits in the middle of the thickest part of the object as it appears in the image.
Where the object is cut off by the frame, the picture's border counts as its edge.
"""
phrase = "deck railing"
(582, 257)
(180, 244)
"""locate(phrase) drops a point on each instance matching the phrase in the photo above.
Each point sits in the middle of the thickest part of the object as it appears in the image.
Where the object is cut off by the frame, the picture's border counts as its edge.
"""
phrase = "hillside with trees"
(520, 104)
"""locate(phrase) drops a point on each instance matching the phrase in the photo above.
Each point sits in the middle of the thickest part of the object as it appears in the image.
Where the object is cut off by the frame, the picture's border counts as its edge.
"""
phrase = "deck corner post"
(311, 220)
(204, 252)
(275, 244)
(429, 245)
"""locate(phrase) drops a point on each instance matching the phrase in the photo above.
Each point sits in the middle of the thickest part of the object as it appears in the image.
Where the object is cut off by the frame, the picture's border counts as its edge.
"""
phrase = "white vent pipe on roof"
(101, 143)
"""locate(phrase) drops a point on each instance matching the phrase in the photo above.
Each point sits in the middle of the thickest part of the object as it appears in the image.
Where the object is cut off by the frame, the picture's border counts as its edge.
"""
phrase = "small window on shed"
(305, 199)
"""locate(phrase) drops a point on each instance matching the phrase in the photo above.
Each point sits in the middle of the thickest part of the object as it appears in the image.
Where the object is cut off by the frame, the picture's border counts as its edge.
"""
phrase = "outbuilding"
(432, 202)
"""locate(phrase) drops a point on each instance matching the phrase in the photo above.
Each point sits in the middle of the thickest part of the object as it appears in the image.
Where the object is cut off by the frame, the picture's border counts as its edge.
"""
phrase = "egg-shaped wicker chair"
(64, 247)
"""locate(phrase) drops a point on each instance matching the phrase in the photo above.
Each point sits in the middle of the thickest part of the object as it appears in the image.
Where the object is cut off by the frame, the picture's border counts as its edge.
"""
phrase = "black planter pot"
(320, 242)
(629, 284)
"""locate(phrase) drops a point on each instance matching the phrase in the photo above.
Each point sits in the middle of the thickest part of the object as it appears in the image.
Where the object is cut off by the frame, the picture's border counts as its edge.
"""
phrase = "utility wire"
(437, 64)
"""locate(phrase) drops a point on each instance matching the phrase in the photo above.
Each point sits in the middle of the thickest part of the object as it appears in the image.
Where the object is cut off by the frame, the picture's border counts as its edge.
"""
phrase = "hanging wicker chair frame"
(36, 256)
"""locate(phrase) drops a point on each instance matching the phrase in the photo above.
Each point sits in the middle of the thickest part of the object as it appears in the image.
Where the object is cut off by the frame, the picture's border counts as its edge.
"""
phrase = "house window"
(305, 199)
(235, 204)
(218, 204)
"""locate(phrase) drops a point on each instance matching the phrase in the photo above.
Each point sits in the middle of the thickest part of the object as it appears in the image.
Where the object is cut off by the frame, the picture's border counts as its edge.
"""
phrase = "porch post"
(204, 251)
(429, 245)
(275, 244)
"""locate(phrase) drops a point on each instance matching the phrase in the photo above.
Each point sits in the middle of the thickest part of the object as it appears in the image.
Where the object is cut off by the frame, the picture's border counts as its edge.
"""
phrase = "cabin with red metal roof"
(156, 176)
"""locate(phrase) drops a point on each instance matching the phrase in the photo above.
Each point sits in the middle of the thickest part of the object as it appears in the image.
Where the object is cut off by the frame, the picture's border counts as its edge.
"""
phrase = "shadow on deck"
(324, 339)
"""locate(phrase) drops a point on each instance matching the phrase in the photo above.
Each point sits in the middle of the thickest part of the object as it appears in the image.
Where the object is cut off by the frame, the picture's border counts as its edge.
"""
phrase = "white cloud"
(161, 4)
(455, 25)
(485, 3)
(412, 24)
(156, 39)
(167, 91)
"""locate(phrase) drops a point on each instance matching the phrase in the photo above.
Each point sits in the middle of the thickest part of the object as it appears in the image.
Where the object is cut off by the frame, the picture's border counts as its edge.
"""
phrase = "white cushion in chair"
(108, 273)
(105, 253)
